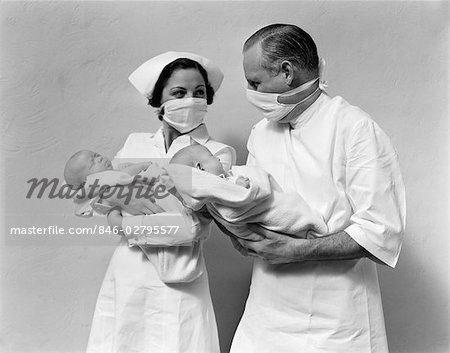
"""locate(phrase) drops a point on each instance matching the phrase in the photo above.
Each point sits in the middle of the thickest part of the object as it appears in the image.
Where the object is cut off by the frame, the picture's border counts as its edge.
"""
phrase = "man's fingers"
(250, 245)
(238, 246)
(224, 229)
(253, 254)
(256, 228)
(238, 242)
(254, 249)
(254, 237)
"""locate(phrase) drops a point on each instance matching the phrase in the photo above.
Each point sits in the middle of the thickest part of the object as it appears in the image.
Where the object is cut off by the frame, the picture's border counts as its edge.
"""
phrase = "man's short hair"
(281, 42)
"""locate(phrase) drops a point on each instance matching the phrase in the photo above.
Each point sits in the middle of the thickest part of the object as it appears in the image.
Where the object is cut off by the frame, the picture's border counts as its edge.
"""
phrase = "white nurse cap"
(146, 75)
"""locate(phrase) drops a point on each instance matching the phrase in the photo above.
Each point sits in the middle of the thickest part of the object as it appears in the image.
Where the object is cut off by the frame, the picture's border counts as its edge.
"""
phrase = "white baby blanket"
(263, 202)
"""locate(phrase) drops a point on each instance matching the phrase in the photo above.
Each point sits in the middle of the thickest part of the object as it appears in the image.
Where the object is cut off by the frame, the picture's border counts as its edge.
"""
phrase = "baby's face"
(198, 156)
(206, 161)
(89, 162)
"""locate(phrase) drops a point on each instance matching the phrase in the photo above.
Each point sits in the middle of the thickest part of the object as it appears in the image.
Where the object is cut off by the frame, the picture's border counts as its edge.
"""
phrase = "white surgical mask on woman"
(185, 114)
(270, 107)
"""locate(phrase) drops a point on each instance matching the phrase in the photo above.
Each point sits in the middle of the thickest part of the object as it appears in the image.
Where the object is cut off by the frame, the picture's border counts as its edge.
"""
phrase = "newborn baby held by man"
(244, 194)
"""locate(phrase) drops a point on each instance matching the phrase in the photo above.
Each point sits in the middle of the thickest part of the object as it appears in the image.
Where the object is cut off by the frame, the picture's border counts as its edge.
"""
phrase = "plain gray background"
(64, 69)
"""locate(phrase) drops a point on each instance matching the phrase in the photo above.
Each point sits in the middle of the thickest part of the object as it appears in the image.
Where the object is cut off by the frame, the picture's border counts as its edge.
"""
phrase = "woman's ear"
(160, 112)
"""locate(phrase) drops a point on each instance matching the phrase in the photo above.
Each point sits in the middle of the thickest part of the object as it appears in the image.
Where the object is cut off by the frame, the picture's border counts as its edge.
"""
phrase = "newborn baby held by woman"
(84, 167)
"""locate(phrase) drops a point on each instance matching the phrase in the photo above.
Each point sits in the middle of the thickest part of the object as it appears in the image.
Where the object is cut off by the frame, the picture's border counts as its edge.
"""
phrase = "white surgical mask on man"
(269, 105)
(185, 114)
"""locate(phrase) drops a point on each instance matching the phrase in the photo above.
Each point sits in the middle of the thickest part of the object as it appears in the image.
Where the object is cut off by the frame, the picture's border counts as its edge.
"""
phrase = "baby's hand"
(122, 166)
(243, 181)
(136, 168)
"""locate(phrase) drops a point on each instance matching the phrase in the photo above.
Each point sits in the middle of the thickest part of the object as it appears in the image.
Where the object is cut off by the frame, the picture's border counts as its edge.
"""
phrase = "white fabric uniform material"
(345, 167)
(263, 202)
(136, 311)
(183, 265)
(146, 75)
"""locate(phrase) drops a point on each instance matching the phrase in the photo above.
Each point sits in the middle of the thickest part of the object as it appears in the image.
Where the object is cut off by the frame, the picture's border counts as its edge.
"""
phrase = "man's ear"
(193, 142)
(288, 71)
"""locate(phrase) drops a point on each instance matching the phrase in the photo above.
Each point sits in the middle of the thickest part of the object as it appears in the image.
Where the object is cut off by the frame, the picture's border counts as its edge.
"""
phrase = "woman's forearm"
(163, 229)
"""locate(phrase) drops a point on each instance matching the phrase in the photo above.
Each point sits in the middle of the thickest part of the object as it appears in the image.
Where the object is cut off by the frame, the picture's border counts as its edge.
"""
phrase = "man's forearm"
(278, 248)
(338, 246)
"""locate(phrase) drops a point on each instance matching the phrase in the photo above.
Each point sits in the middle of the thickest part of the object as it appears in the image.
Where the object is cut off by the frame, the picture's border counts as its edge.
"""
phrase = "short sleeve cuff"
(161, 229)
(129, 224)
(360, 236)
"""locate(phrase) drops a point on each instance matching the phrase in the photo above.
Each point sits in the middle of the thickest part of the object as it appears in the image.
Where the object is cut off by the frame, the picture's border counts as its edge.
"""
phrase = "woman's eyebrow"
(201, 85)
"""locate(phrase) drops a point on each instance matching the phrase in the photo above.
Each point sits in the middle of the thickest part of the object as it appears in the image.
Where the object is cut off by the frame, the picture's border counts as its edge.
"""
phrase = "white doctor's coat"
(345, 168)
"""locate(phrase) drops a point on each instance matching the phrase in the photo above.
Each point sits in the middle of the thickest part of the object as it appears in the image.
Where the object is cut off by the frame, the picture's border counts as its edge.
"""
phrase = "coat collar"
(304, 117)
(199, 135)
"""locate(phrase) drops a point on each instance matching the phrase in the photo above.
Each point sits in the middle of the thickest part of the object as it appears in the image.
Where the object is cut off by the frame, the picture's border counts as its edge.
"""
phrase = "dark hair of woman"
(166, 73)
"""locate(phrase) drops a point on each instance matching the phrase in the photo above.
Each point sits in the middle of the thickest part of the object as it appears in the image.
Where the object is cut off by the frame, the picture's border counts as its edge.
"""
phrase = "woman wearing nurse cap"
(155, 297)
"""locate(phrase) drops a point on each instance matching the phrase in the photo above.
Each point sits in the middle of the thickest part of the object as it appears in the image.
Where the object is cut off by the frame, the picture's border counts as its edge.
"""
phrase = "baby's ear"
(193, 142)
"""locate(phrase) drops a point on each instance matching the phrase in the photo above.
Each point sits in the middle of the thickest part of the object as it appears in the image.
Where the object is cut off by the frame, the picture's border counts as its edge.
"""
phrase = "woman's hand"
(134, 168)
(134, 198)
(115, 220)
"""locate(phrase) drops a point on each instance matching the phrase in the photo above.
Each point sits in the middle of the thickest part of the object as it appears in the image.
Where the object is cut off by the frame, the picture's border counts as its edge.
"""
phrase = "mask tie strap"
(299, 89)
(322, 83)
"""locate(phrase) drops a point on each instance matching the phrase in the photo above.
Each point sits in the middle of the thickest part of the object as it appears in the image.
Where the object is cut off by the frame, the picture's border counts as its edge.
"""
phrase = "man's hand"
(279, 248)
(136, 198)
(203, 212)
(275, 248)
(234, 240)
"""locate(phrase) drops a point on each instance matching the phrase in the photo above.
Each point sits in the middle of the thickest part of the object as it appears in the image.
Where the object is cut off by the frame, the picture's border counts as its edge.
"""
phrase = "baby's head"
(198, 156)
(83, 163)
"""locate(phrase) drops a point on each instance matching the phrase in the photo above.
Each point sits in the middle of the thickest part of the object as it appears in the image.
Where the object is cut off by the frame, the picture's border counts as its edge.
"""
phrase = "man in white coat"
(322, 294)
